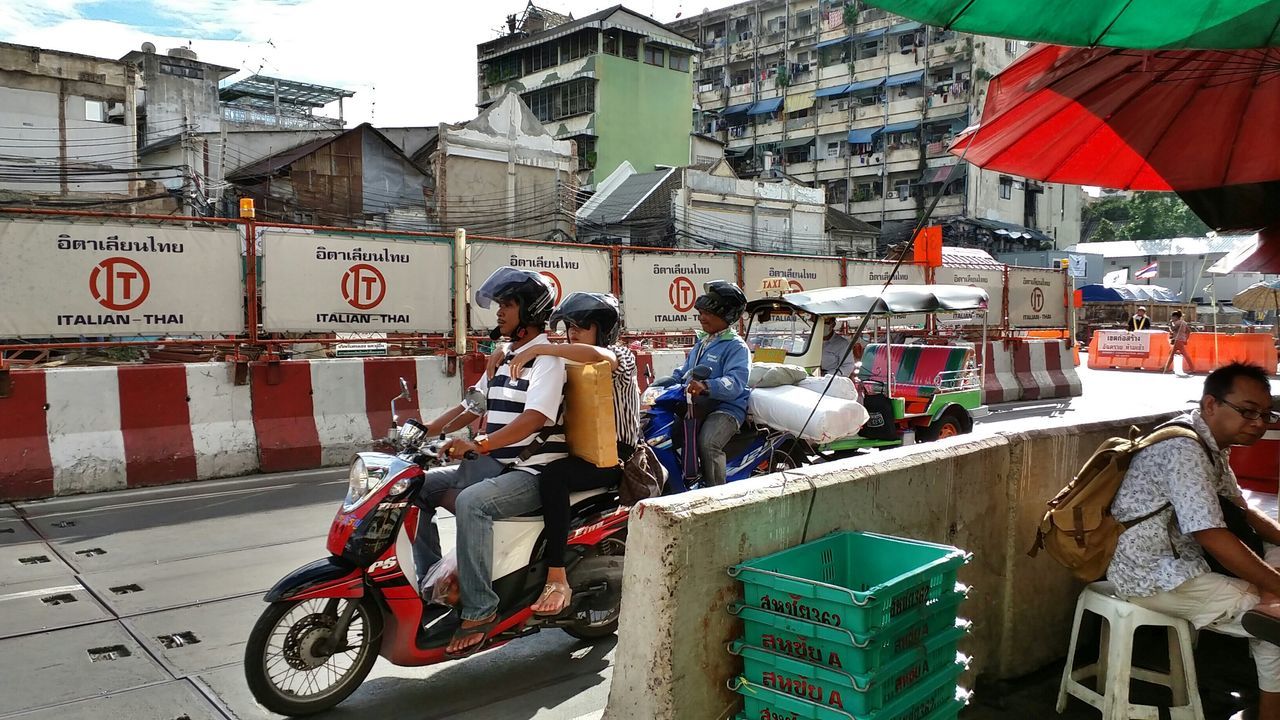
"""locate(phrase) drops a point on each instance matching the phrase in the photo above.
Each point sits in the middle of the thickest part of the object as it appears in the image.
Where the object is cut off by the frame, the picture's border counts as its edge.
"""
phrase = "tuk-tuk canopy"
(878, 300)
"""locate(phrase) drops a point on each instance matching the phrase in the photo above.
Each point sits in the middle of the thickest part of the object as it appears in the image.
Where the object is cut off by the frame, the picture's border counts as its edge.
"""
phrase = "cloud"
(409, 63)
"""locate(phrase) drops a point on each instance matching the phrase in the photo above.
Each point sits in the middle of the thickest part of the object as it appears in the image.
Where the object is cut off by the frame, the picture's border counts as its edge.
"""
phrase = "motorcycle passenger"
(721, 348)
(522, 435)
(593, 324)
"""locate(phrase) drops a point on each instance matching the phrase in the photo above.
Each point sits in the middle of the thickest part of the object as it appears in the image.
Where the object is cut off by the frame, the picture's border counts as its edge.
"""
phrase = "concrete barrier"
(1045, 369)
(75, 430)
(984, 494)
(999, 384)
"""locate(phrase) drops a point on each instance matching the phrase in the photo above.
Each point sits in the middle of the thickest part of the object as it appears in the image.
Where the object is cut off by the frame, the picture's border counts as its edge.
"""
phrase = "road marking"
(181, 498)
(41, 591)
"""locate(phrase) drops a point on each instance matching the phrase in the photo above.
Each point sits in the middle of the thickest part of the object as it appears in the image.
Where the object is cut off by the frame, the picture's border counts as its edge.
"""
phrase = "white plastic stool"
(1114, 667)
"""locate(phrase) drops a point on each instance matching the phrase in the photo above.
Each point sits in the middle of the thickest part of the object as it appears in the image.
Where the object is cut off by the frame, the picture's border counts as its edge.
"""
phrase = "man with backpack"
(1191, 547)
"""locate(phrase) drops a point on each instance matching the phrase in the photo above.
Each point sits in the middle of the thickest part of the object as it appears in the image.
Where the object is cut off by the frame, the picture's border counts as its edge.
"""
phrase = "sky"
(410, 62)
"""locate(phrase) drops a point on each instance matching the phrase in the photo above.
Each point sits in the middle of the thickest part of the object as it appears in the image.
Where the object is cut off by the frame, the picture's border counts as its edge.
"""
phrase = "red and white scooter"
(328, 621)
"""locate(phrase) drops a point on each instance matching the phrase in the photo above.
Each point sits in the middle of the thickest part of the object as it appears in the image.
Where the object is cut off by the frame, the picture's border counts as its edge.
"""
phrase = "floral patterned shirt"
(1159, 554)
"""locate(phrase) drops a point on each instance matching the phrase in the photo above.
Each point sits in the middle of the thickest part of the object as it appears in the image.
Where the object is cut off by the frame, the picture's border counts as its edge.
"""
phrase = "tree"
(1145, 216)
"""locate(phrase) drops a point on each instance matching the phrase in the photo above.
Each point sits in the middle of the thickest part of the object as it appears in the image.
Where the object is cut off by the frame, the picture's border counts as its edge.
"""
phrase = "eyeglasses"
(1248, 414)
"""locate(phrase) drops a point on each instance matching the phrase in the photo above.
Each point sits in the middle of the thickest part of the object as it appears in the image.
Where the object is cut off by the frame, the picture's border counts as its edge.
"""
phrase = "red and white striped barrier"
(999, 384)
(78, 430)
(315, 413)
(1045, 369)
(75, 430)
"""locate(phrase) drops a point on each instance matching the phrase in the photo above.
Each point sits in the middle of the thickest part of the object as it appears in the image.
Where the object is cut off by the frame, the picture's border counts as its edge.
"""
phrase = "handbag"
(643, 476)
(1238, 524)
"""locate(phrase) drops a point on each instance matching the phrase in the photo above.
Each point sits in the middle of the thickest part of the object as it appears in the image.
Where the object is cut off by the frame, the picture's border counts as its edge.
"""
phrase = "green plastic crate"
(837, 647)
(937, 698)
(853, 692)
(853, 580)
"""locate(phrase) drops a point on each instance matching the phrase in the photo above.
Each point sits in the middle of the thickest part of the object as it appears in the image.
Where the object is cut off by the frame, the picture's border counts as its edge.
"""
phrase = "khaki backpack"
(1078, 529)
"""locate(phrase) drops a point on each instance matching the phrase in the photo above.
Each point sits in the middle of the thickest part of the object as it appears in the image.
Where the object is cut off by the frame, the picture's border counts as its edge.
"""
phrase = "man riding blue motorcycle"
(719, 390)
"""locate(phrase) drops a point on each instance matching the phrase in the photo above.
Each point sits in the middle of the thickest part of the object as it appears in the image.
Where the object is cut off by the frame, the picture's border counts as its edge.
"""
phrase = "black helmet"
(585, 308)
(531, 290)
(723, 298)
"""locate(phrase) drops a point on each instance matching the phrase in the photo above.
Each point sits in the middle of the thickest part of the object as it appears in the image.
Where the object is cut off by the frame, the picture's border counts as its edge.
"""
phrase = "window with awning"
(899, 127)
(765, 107)
(910, 78)
(941, 174)
(862, 136)
(864, 85)
(736, 109)
(834, 91)
(798, 102)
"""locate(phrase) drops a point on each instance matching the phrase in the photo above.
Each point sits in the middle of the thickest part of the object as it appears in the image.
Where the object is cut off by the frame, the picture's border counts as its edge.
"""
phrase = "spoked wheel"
(594, 621)
(294, 663)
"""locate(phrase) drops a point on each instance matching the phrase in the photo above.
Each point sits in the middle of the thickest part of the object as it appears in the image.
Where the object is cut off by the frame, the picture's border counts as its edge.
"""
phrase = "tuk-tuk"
(926, 390)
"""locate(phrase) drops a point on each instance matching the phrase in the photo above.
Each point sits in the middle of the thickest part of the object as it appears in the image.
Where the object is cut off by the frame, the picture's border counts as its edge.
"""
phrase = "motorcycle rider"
(522, 434)
(721, 348)
(593, 324)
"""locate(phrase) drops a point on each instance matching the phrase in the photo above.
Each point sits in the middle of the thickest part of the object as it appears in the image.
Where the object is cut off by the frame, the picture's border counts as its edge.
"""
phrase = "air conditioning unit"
(892, 195)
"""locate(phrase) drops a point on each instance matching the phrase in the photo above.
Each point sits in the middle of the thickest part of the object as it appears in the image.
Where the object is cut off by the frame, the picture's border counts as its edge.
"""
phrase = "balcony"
(953, 50)
(904, 154)
(835, 164)
(906, 106)
(741, 93)
(800, 123)
(949, 102)
(867, 207)
(713, 97)
(833, 120)
(803, 170)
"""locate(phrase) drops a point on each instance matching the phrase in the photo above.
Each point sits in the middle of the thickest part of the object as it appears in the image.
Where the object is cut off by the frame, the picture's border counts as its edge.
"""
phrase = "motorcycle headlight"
(361, 481)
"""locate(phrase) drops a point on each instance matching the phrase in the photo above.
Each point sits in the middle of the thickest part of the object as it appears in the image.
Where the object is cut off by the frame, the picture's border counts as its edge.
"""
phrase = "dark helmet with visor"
(532, 291)
(722, 298)
(583, 309)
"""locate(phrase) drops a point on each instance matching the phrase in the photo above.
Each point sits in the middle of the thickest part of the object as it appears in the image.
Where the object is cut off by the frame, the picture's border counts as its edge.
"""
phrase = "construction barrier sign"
(570, 269)
(989, 279)
(875, 272)
(62, 279)
(1037, 298)
(1119, 342)
(798, 272)
(659, 289)
(315, 282)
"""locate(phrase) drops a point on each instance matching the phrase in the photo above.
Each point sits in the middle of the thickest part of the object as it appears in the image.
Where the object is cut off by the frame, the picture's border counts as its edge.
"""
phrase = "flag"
(1115, 279)
(1148, 272)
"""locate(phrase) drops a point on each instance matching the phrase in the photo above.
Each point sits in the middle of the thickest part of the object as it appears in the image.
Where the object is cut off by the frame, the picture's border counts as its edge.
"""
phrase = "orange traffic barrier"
(1254, 348)
(1121, 350)
(1048, 334)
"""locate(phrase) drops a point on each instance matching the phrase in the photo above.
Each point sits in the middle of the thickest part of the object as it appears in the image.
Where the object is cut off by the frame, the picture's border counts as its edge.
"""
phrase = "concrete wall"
(985, 495)
(45, 123)
(642, 115)
(176, 99)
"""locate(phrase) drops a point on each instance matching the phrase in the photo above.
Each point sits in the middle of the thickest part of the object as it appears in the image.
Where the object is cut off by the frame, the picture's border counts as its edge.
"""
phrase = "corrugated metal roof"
(1167, 246)
(956, 257)
(629, 194)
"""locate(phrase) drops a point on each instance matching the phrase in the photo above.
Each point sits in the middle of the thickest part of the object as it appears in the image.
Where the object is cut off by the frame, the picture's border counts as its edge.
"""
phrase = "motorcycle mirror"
(475, 401)
(700, 373)
(404, 390)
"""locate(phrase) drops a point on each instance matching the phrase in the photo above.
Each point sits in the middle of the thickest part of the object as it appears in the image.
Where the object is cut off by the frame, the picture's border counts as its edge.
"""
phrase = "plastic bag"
(442, 581)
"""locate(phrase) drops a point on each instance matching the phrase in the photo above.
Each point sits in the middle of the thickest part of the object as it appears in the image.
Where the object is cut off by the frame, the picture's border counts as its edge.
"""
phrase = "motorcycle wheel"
(286, 671)
(590, 624)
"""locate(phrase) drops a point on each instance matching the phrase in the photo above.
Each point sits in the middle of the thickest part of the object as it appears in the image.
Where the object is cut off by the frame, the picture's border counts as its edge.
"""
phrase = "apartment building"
(864, 104)
(616, 82)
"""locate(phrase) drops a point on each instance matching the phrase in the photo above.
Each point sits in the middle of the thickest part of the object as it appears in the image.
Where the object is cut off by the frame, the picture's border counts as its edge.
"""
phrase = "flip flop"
(463, 632)
(1262, 626)
(562, 589)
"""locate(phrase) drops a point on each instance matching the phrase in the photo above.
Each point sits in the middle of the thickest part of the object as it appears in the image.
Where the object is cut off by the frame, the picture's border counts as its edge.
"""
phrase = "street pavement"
(137, 604)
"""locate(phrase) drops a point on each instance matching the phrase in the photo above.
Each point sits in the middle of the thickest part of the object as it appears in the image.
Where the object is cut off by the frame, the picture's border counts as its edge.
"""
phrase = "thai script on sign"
(1041, 281)
(113, 243)
(790, 274)
(543, 263)
(678, 269)
(974, 279)
(360, 255)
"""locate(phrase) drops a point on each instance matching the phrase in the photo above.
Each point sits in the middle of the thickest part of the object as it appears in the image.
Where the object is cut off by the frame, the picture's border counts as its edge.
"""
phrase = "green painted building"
(616, 82)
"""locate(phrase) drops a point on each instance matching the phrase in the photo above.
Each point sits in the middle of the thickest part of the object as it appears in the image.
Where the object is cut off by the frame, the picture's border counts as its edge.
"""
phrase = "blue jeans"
(514, 492)
(489, 492)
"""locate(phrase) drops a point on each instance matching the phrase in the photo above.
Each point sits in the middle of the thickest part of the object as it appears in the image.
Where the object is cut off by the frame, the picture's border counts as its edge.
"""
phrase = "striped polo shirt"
(539, 387)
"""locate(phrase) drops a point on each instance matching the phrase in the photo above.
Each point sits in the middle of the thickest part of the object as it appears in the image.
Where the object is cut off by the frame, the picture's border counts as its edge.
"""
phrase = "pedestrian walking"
(1179, 333)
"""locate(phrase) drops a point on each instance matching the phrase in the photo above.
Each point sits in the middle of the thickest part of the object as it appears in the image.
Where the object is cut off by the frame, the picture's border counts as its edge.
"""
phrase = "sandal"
(482, 630)
(554, 588)
(1262, 625)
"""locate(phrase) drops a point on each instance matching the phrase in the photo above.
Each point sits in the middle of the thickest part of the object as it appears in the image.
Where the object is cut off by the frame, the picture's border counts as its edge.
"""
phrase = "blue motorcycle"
(671, 429)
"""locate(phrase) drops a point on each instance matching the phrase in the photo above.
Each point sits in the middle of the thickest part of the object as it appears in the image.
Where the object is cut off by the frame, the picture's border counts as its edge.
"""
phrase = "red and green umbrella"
(1179, 120)
(1138, 24)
